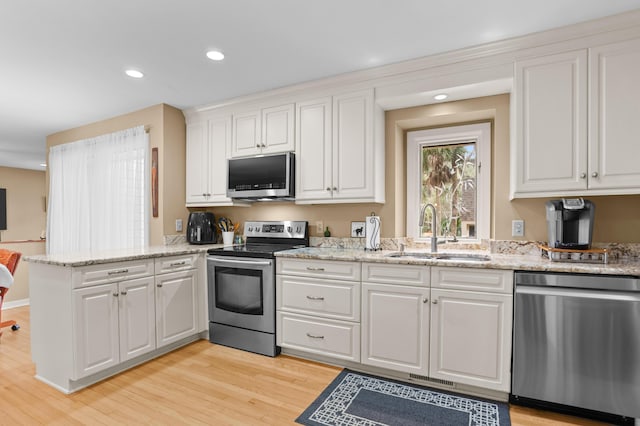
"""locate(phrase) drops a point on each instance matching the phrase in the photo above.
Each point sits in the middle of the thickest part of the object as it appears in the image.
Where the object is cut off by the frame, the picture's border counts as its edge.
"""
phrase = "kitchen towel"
(372, 233)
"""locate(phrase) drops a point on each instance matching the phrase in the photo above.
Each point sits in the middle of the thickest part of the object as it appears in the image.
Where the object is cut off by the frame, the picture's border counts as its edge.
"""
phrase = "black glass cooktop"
(252, 250)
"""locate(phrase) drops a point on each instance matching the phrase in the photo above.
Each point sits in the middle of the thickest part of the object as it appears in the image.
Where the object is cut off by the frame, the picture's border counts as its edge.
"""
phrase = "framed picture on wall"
(3, 209)
(357, 230)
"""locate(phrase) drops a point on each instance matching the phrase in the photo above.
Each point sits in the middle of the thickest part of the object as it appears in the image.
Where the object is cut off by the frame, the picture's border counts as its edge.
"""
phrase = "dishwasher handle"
(579, 293)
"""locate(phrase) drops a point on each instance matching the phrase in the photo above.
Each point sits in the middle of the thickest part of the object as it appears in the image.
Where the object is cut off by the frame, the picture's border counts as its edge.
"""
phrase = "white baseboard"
(15, 304)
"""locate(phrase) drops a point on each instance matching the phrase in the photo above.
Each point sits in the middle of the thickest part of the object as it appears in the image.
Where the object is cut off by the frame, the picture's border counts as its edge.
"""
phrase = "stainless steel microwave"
(262, 178)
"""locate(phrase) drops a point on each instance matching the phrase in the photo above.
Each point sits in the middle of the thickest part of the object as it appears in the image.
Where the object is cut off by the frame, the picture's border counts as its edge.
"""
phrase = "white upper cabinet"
(208, 144)
(266, 131)
(340, 148)
(614, 117)
(577, 123)
(551, 123)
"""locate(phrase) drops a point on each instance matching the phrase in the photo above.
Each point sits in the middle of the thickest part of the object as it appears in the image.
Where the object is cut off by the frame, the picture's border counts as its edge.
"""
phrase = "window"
(450, 168)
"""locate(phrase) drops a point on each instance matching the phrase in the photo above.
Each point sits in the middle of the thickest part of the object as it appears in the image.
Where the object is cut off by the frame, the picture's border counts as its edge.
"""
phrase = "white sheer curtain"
(99, 193)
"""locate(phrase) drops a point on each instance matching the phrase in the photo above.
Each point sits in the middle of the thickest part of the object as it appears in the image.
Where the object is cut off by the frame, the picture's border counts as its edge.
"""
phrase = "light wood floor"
(201, 383)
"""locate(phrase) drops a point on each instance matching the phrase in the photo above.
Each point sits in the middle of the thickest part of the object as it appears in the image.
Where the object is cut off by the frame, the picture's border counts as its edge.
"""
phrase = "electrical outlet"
(178, 225)
(517, 228)
(319, 227)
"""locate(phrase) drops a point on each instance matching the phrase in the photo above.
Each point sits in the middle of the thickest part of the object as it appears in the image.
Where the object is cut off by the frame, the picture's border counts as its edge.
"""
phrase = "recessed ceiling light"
(441, 97)
(134, 73)
(215, 55)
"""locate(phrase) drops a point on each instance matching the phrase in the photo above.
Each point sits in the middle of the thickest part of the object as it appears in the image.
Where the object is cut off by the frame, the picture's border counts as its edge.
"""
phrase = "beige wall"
(167, 133)
(617, 217)
(26, 219)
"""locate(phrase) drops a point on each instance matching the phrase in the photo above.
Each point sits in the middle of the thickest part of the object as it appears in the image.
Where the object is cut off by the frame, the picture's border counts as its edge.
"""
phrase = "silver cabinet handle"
(119, 271)
(315, 297)
(257, 145)
(435, 301)
(425, 300)
(583, 175)
(115, 294)
(328, 188)
(594, 174)
(313, 336)
(184, 262)
(309, 268)
(158, 285)
(123, 292)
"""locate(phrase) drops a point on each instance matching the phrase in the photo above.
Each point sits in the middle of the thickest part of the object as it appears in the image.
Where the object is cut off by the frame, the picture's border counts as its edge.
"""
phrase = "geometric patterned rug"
(364, 400)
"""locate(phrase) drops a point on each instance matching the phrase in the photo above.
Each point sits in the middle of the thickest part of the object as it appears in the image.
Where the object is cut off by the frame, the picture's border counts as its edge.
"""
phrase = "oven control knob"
(289, 229)
(250, 229)
(298, 229)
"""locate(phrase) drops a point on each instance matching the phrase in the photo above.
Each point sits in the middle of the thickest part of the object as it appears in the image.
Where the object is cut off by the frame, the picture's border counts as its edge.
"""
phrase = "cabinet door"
(550, 152)
(176, 308)
(277, 129)
(614, 117)
(313, 150)
(395, 327)
(246, 134)
(353, 145)
(471, 338)
(219, 146)
(95, 325)
(137, 318)
(197, 163)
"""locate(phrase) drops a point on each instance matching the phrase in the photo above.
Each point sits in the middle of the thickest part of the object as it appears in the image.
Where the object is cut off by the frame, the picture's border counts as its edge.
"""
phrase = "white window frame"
(481, 134)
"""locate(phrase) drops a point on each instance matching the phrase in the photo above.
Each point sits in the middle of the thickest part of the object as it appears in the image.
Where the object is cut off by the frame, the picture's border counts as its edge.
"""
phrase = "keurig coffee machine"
(570, 223)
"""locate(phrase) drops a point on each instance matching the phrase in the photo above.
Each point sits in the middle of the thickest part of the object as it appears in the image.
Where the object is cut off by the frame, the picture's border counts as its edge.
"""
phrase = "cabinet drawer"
(493, 280)
(111, 272)
(319, 268)
(338, 339)
(396, 274)
(176, 263)
(326, 298)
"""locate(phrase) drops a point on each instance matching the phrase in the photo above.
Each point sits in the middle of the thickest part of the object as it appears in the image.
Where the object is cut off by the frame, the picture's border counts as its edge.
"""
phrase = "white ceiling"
(62, 61)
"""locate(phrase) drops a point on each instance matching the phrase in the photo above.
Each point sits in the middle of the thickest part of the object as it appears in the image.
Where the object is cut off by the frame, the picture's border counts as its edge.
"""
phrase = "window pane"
(449, 183)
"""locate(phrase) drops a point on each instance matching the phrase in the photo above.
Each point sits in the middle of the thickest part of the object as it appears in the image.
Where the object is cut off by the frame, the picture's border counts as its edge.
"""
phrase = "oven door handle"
(241, 262)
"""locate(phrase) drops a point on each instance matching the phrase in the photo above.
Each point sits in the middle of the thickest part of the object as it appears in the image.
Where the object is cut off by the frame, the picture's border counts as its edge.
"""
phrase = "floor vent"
(429, 379)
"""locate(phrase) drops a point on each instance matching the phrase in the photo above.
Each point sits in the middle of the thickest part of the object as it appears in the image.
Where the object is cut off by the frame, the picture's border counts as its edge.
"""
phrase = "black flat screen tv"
(3, 209)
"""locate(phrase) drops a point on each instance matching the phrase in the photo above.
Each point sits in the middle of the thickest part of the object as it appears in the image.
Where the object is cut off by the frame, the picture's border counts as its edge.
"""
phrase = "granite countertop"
(93, 258)
(497, 261)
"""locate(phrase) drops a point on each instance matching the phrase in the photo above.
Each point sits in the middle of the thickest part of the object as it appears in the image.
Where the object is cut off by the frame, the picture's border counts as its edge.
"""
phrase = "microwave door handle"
(241, 262)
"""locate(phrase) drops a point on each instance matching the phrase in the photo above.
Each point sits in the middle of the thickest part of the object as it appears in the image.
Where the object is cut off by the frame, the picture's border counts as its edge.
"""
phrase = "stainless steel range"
(241, 285)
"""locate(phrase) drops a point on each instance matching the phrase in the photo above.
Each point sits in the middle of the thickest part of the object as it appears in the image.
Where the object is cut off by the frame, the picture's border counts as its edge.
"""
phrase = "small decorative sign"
(357, 230)
(154, 181)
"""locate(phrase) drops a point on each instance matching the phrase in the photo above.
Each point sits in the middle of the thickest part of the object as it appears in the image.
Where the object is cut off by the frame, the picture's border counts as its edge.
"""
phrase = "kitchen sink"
(458, 257)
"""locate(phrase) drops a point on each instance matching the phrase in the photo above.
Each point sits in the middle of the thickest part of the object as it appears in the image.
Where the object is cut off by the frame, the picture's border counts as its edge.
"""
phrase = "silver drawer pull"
(312, 336)
(315, 297)
(309, 268)
(119, 271)
(184, 262)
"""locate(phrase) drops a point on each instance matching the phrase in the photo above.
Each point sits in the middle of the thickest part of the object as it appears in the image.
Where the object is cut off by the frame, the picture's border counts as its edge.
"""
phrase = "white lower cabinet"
(176, 306)
(318, 307)
(471, 318)
(90, 322)
(395, 325)
(114, 323)
(470, 338)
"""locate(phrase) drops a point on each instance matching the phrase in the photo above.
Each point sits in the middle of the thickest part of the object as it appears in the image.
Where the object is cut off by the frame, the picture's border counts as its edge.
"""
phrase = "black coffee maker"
(201, 228)
(570, 223)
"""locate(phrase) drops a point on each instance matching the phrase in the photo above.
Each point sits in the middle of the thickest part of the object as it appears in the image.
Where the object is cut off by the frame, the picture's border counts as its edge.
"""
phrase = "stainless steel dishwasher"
(576, 343)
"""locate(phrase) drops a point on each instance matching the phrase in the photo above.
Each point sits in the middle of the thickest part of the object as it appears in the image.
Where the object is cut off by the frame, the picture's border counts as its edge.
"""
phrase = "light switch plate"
(517, 228)
(178, 225)
(319, 227)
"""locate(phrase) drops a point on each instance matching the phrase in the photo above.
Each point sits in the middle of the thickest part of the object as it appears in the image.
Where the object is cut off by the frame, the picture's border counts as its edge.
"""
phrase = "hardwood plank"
(201, 383)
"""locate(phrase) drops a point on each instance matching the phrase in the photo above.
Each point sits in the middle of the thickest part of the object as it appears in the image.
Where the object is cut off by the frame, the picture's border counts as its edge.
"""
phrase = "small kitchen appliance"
(262, 178)
(570, 223)
(201, 228)
(241, 283)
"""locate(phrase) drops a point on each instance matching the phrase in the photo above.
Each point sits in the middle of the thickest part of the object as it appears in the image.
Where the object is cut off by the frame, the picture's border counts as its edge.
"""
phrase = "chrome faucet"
(434, 238)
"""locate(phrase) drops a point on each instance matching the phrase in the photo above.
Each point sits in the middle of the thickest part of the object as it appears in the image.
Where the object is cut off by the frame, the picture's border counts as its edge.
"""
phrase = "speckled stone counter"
(497, 261)
(94, 258)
